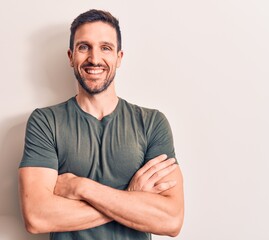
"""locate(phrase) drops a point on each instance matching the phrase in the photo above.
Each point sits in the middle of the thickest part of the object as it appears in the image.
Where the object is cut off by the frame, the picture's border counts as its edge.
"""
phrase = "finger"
(161, 187)
(157, 176)
(145, 178)
(151, 163)
(157, 167)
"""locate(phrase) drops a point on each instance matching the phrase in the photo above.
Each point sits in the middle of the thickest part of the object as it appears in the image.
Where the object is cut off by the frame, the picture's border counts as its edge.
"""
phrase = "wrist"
(82, 187)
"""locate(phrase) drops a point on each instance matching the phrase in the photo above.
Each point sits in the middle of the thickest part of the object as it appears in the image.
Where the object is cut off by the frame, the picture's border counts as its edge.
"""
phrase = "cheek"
(76, 66)
(78, 60)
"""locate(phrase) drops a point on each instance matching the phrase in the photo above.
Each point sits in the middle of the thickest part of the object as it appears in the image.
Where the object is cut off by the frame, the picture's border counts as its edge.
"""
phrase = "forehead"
(96, 32)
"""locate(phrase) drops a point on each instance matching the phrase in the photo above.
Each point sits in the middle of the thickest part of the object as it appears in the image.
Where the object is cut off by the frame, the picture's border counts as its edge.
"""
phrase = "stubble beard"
(94, 91)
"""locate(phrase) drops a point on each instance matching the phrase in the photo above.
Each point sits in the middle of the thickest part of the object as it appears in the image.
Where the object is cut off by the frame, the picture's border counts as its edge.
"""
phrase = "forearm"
(145, 207)
(138, 210)
(43, 211)
(58, 214)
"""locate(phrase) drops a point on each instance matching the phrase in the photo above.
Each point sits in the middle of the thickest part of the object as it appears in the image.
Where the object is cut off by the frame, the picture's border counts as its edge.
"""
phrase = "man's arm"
(144, 211)
(43, 211)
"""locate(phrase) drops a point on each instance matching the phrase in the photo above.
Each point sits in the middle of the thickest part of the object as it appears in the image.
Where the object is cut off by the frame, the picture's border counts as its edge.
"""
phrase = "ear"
(70, 56)
(120, 56)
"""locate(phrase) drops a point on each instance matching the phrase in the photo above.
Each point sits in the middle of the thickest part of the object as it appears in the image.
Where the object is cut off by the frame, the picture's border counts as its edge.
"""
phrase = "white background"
(203, 63)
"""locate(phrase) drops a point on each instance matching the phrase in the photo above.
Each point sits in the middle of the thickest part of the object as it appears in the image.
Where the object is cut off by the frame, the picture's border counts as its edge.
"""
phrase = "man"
(96, 166)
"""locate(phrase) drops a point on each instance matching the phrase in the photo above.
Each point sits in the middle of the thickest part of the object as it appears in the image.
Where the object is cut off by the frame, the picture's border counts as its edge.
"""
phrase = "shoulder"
(46, 118)
(156, 129)
(150, 118)
(146, 113)
(50, 112)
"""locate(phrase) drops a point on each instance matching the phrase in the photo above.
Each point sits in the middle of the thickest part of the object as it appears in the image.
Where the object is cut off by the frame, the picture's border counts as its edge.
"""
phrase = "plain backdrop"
(205, 64)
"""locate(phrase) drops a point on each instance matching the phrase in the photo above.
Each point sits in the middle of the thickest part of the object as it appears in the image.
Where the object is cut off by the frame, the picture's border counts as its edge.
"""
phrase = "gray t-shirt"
(109, 151)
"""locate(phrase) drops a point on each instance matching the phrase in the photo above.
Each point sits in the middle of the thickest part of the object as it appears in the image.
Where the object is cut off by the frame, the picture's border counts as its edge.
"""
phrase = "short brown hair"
(94, 15)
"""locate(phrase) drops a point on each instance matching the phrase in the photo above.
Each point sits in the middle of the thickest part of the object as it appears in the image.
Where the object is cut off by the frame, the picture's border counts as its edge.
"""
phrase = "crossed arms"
(152, 203)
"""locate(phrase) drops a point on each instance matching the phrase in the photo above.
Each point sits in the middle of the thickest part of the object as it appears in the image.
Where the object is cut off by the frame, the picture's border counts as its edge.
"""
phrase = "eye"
(83, 48)
(106, 48)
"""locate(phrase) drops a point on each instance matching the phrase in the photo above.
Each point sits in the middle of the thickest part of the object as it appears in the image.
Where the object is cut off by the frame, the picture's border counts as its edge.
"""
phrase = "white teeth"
(94, 71)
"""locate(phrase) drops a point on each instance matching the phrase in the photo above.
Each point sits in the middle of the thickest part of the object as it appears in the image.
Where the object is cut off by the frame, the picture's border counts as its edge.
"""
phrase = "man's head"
(94, 15)
(95, 50)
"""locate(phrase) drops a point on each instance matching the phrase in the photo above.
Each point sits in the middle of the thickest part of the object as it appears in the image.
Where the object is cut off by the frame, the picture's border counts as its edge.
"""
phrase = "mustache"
(93, 65)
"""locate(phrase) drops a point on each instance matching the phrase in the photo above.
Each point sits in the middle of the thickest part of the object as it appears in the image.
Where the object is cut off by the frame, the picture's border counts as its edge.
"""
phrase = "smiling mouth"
(94, 71)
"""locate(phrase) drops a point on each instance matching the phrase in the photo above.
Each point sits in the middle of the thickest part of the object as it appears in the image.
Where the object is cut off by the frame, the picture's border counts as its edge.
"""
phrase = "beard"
(96, 90)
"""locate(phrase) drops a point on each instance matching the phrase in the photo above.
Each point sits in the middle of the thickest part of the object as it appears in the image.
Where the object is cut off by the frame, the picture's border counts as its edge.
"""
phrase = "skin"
(95, 60)
(44, 211)
(99, 43)
(156, 190)
(160, 214)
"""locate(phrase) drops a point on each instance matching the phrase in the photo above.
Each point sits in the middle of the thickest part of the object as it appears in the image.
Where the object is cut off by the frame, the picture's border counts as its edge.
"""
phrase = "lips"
(94, 71)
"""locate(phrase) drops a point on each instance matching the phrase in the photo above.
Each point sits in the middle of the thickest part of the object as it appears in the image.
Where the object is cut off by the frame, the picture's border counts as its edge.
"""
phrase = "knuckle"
(144, 189)
(139, 184)
(154, 168)
(173, 167)
(138, 174)
(156, 175)
(161, 187)
(151, 162)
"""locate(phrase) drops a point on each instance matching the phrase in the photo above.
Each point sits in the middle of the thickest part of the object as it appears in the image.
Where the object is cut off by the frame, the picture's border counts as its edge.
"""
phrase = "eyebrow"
(102, 43)
(108, 43)
(81, 42)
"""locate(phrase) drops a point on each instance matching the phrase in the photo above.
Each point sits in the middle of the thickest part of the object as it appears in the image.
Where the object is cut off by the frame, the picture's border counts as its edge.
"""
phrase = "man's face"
(95, 56)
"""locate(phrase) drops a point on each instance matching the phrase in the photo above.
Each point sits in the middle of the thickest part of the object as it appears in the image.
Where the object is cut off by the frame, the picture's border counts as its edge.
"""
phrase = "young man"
(96, 166)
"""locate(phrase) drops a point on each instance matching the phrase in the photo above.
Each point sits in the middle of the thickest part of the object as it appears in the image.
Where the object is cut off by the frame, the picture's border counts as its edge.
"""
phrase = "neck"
(98, 105)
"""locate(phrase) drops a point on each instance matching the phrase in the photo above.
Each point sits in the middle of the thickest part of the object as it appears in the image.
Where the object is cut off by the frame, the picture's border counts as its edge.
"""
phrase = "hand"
(66, 186)
(147, 178)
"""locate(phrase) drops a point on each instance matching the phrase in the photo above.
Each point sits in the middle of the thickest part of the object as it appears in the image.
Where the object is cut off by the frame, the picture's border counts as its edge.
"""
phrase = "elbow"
(35, 229)
(31, 229)
(174, 225)
(175, 228)
(174, 232)
(171, 230)
(34, 225)
(176, 222)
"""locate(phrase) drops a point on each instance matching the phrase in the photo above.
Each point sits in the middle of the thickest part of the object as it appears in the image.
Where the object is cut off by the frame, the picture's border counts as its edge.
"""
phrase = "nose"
(94, 56)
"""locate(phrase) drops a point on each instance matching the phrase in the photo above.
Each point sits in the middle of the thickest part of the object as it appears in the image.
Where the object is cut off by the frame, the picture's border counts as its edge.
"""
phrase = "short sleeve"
(39, 149)
(160, 138)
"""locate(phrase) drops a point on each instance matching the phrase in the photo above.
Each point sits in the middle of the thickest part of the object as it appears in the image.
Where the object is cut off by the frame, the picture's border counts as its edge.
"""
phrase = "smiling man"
(97, 73)
(96, 166)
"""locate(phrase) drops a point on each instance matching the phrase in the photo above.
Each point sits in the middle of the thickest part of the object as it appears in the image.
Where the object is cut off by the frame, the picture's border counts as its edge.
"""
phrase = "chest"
(108, 153)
